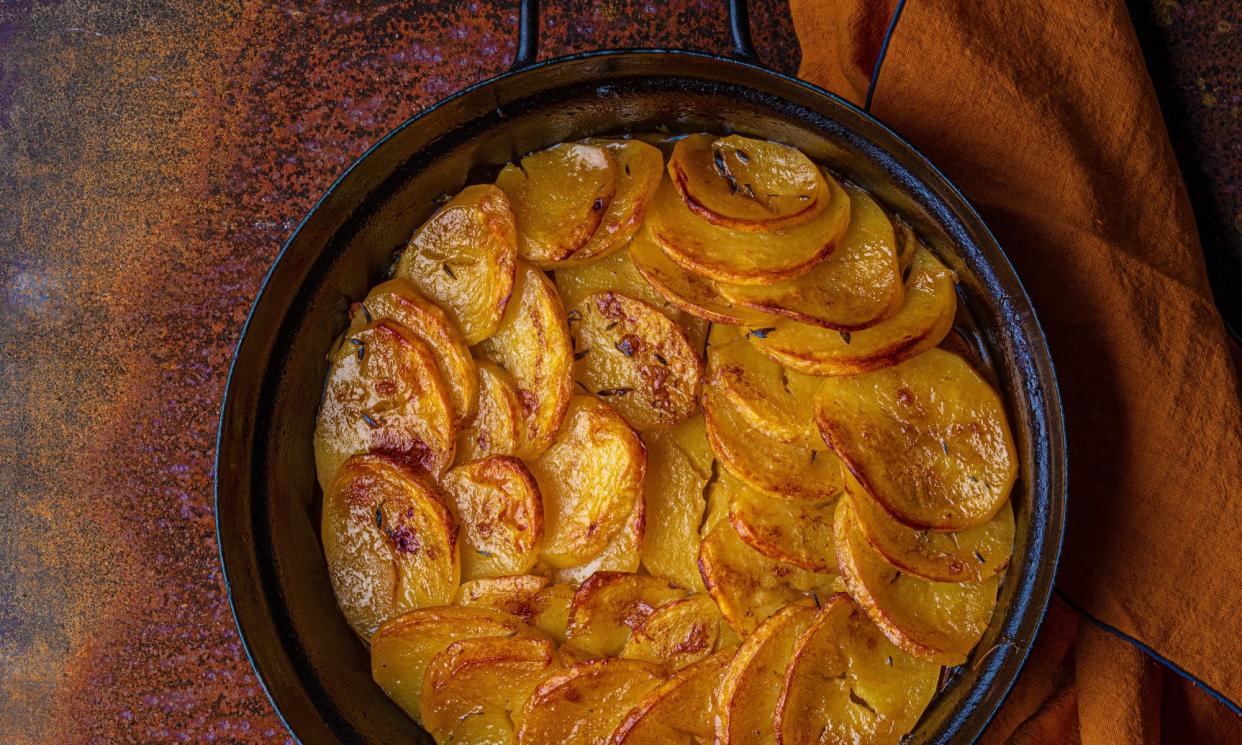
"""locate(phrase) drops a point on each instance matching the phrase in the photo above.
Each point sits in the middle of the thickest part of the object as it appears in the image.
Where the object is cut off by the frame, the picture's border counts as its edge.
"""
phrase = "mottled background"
(153, 158)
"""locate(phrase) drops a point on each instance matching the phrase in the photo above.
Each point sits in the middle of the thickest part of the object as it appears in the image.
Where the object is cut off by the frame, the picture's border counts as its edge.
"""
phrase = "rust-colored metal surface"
(153, 159)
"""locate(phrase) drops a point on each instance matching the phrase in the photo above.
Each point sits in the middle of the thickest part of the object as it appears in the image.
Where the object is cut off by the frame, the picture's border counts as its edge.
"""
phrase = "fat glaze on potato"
(498, 506)
(681, 708)
(498, 425)
(390, 543)
(677, 634)
(639, 169)
(584, 705)
(797, 533)
(679, 465)
(384, 394)
(529, 597)
(464, 258)
(927, 438)
(622, 554)
(609, 605)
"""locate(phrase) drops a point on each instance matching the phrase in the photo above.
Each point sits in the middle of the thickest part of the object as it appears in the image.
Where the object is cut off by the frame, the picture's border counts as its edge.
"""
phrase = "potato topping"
(498, 506)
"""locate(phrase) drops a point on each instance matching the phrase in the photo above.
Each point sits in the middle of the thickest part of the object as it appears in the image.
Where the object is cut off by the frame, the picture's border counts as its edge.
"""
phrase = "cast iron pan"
(267, 504)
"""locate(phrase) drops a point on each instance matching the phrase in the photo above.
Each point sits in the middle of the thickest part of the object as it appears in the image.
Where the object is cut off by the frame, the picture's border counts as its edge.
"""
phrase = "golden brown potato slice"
(798, 533)
(681, 708)
(590, 479)
(640, 168)
(583, 705)
(390, 543)
(472, 689)
(779, 403)
(746, 184)
(497, 503)
(750, 688)
(743, 257)
(847, 683)
(935, 621)
(609, 605)
(690, 292)
(403, 647)
(677, 633)
(622, 554)
(927, 438)
(634, 355)
(384, 394)
(780, 469)
(498, 425)
(559, 197)
(747, 586)
(856, 287)
(679, 465)
(463, 258)
(925, 316)
(532, 344)
(907, 243)
(971, 555)
(527, 596)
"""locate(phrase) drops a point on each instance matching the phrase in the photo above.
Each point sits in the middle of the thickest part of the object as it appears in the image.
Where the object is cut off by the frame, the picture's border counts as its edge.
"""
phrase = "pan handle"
(528, 33)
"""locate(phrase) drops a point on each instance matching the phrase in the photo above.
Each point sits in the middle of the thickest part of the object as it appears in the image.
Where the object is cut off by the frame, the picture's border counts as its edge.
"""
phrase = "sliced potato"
(750, 688)
(498, 424)
(777, 468)
(746, 184)
(631, 353)
(747, 586)
(743, 257)
(907, 242)
(681, 708)
(847, 683)
(935, 621)
(622, 554)
(559, 198)
(472, 689)
(971, 555)
(679, 465)
(532, 344)
(390, 543)
(693, 293)
(779, 403)
(925, 316)
(528, 596)
(856, 287)
(590, 479)
(497, 503)
(718, 494)
(464, 257)
(677, 633)
(639, 168)
(609, 605)
(583, 705)
(384, 394)
(402, 648)
(927, 438)
(797, 533)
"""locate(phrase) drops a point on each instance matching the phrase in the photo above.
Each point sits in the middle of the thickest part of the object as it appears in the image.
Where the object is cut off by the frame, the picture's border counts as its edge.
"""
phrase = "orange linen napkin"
(1042, 112)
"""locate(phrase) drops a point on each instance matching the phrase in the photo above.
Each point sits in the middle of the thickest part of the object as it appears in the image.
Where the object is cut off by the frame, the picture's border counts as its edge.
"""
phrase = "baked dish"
(663, 440)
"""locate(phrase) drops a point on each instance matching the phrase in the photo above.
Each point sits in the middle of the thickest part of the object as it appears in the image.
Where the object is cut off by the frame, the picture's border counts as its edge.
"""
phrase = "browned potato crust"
(526, 596)
(622, 554)
(680, 709)
(639, 168)
(498, 425)
(497, 503)
(676, 634)
(583, 705)
(609, 605)
(797, 533)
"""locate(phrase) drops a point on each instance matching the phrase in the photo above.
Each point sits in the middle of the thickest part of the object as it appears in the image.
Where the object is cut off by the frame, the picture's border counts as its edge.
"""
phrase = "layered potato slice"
(927, 438)
(847, 683)
(403, 647)
(586, 703)
(631, 353)
(384, 394)
(783, 470)
(532, 344)
(779, 403)
(498, 425)
(748, 586)
(390, 543)
(677, 634)
(464, 258)
(609, 605)
(498, 506)
(857, 286)
(528, 597)
(622, 554)
(681, 710)
(590, 479)
(679, 466)
(692, 293)
(797, 533)
(750, 688)
(971, 555)
(741, 256)
(907, 243)
(559, 198)
(747, 184)
(639, 169)
(935, 621)
(472, 689)
(928, 305)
